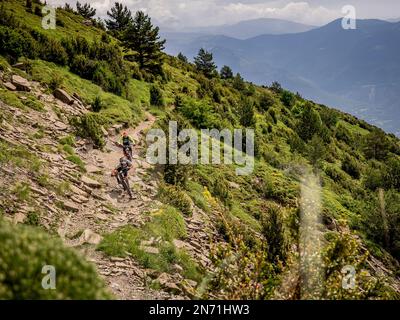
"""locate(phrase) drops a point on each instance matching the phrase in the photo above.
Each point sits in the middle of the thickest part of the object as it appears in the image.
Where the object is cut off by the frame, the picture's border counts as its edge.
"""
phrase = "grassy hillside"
(258, 218)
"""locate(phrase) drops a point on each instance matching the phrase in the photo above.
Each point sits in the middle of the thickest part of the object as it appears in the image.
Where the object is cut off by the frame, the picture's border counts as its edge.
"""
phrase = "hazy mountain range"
(247, 29)
(357, 71)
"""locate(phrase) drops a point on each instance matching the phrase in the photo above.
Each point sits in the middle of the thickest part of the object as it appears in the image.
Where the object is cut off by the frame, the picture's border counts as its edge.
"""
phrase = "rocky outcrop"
(20, 83)
(91, 182)
(10, 86)
(63, 96)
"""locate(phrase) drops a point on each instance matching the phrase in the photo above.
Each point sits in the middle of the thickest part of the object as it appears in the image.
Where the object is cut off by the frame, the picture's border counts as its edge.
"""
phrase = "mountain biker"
(121, 172)
(127, 143)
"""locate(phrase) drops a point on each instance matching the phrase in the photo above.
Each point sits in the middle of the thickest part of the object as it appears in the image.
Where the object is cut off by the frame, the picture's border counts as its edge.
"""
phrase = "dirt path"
(111, 208)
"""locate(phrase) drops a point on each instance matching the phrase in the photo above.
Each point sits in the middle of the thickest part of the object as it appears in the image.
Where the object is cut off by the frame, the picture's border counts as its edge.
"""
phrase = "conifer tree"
(226, 73)
(120, 19)
(204, 63)
(143, 39)
(85, 10)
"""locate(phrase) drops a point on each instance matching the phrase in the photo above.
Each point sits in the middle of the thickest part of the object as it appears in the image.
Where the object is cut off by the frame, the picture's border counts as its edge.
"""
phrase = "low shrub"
(156, 96)
(176, 197)
(75, 278)
(89, 126)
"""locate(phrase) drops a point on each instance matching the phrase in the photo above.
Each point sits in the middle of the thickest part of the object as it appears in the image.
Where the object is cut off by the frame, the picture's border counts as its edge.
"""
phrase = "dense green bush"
(375, 176)
(156, 96)
(350, 165)
(376, 145)
(176, 197)
(89, 125)
(310, 123)
(266, 101)
(247, 113)
(329, 117)
(393, 174)
(200, 114)
(53, 51)
(343, 134)
(273, 232)
(24, 251)
(384, 227)
(15, 44)
(288, 98)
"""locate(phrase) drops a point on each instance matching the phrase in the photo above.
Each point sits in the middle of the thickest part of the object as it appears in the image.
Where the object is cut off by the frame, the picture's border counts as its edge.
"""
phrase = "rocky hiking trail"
(92, 204)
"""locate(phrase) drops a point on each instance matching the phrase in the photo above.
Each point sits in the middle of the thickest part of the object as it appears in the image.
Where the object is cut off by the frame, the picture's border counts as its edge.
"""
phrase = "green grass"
(22, 191)
(168, 224)
(19, 156)
(21, 100)
(116, 109)
(68, 140)
(195, 191)
(62, 188)
(246, 218)
(72, 23)
(78, 161)
(11, 98)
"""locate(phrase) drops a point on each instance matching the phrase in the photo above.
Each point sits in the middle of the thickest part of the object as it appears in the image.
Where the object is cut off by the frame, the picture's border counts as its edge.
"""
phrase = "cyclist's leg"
(128, 188)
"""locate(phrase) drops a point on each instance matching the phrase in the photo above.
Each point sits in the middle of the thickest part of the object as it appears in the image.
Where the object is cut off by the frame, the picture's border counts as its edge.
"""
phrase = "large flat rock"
(90, 182)
(20, 83)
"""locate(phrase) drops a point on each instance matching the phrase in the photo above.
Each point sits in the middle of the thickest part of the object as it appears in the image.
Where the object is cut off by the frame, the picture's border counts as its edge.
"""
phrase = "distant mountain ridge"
(355, 70)
(248, 28)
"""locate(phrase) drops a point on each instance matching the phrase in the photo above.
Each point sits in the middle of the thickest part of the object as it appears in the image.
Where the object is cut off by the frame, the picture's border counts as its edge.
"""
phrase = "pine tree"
(85, 10)
(204, 63)
(182, 57)
(247, 116)
(68, 8)
(226, 73)
(238, 82)
(310, 122)
(143, 39)
(276, 87)
(120, 19)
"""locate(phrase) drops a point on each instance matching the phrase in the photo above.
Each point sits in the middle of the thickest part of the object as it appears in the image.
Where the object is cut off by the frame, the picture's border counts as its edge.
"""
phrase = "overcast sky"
(190, 13)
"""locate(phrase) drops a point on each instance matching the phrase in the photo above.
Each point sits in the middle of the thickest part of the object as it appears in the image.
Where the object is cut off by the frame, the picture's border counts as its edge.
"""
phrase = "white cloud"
(190, 13)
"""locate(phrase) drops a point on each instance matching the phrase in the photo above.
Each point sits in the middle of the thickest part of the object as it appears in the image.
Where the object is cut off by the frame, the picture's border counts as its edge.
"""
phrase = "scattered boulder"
(10, 86)
(93, 169)
(20, 83)
(63, 96)
(165, 280)
(77, 191)
(90, 237)
(60, 125)
(19, 217)
(39, 191)
(179, 244)
(90, 182)
(70, 206)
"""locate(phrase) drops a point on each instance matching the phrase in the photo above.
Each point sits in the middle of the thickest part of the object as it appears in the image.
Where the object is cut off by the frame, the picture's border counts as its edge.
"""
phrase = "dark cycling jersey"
(127, 141)
(124, 166)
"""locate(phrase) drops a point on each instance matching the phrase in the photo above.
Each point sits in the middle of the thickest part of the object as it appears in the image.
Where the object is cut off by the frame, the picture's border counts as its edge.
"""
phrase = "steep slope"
(194, 231)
